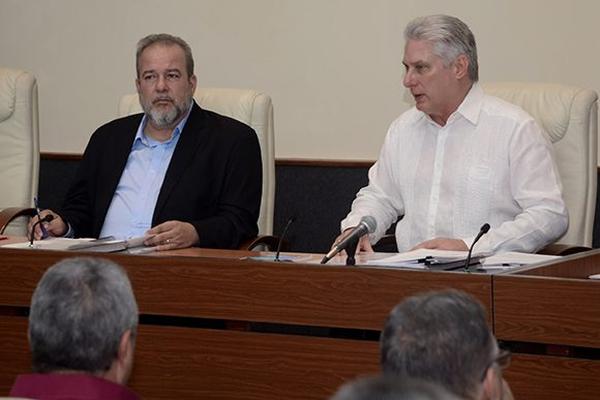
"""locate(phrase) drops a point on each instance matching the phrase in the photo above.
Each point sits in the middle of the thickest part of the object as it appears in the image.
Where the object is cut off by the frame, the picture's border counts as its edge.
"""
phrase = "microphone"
(367, 225)
(484, 229)
(46, 218)
(290, 221)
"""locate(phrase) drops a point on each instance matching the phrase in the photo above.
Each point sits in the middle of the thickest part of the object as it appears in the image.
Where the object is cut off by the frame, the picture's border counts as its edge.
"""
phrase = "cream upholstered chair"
(250, 107)
(569, 115)
(19, 148)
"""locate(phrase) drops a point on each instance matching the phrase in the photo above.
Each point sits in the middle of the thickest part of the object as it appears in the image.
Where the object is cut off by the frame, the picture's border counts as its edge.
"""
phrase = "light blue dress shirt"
(132, 206)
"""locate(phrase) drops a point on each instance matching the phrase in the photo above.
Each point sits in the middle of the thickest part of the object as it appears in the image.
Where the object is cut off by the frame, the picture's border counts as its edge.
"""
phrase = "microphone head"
(369, 222)
(485, 228)
(47, 218)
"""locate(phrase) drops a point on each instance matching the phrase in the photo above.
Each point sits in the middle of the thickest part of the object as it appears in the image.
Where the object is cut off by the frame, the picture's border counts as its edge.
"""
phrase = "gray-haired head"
(440, 337)
(391, 388)
(166, 40)
(79, 311)
(450, 38)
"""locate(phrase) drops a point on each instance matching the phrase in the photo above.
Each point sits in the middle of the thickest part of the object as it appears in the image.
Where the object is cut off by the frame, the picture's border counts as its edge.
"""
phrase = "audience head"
(443, 337)
(450, 38)
(83, 318)
(388, 388)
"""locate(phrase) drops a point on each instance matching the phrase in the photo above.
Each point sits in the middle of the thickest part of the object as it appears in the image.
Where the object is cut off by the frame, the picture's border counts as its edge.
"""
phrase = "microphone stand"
(292, 219)
(351, 251)
(484, 229)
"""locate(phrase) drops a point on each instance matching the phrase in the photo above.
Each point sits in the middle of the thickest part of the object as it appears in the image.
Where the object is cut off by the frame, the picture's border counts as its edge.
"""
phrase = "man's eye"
(149, 77)
(172, 76)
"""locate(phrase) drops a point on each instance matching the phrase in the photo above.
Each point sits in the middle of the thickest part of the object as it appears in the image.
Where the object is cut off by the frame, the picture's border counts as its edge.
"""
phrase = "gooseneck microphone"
(366, 225)
(290, 221)
(46, 218)
(484, 229)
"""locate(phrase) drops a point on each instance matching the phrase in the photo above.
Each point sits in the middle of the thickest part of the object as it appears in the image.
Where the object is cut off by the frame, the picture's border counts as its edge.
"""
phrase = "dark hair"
(167, 40)
(440, 337)
(79, 310)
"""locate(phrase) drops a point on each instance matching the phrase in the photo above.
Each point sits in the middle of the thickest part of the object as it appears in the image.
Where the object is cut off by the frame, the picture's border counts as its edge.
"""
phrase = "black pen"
(37, 212)
(425, 260)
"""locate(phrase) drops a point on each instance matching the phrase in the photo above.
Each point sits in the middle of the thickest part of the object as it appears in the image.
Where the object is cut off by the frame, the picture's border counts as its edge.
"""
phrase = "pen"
(426, 259)
(37, 212)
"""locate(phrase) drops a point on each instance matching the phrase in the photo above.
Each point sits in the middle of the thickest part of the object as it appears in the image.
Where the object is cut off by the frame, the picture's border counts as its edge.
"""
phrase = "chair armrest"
(260, 243)
(9, 214)
(556, 249)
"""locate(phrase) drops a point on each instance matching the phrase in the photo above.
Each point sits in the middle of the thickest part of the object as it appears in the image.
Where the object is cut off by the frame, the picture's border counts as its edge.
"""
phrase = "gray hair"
(440, 337)
(166, 40)
(450, 38)
(79, 311)
(388, 388)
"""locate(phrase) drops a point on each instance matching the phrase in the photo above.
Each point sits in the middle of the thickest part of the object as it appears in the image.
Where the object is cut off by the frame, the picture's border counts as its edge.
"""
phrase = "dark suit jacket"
(213, 181)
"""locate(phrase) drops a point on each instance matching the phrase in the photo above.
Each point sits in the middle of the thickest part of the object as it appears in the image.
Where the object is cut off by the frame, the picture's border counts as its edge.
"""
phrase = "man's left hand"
(172, 235)
(443, 244)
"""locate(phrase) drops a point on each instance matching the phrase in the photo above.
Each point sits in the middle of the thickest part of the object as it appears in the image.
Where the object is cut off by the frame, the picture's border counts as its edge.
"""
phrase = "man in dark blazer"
(177, 174)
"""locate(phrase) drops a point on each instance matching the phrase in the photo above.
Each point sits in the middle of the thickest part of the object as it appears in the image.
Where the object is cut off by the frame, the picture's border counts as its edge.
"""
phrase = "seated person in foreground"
(443, 338)
(82, 326)
(459, 158)
(387, 388)
(180, 175)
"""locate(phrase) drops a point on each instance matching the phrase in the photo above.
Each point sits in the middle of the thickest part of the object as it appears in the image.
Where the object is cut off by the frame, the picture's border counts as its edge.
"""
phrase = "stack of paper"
(104, 245)
(428, 259)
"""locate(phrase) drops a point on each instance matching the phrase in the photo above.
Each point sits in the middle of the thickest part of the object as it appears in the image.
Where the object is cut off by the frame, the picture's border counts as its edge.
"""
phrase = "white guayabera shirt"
(489, 163)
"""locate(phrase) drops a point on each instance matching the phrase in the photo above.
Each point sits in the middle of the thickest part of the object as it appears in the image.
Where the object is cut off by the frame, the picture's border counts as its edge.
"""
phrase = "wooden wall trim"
(61, 156)
(280, 162)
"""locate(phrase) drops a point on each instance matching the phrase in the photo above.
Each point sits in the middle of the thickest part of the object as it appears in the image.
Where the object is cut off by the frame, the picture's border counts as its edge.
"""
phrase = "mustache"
(162, 98)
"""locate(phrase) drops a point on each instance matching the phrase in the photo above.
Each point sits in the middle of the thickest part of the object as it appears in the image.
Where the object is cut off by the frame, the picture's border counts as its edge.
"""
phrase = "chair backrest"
(19, 142)
(253, 108)
(569, 115)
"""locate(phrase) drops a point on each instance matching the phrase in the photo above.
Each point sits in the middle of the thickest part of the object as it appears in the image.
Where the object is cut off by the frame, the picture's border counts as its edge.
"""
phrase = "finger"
(365, 245)
(167, 244)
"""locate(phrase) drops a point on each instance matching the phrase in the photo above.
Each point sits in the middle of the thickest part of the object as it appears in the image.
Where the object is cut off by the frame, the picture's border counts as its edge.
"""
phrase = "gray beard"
(165, 119)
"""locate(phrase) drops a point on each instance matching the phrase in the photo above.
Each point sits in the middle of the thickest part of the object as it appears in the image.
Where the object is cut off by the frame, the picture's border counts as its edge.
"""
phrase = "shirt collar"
(140, 136)
(469, 109)
(471, 106)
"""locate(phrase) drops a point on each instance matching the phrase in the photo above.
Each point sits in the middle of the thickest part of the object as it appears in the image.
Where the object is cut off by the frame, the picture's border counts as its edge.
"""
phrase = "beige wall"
(333, 67)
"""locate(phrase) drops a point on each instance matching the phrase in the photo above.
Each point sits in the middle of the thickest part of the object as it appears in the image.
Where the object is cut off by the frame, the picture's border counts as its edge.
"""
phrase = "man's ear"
(461, 66)
(492, 385)
(125, 357)
(137, 84)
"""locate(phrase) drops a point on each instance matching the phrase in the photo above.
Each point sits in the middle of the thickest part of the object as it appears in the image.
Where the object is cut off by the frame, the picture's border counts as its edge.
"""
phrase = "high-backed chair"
(19, 149)
(569, 115)
(250, 107)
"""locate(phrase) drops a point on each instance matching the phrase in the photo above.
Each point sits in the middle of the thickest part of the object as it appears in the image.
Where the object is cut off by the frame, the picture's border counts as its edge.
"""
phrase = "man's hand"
(56, 227)
(443, 244)
(172, 235)
(363, 243)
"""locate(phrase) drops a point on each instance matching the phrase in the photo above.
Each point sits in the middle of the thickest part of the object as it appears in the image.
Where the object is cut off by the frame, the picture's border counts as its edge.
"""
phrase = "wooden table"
(219, 325)
(550, 315)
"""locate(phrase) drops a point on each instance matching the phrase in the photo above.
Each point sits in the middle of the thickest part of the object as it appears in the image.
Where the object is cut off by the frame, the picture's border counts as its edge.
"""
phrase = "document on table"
(104, 245)
(426, 258)
(515, 259)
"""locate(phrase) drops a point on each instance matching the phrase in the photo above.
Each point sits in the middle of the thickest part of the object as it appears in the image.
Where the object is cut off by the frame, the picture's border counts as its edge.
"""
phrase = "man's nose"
(161, 84)
(408, 79)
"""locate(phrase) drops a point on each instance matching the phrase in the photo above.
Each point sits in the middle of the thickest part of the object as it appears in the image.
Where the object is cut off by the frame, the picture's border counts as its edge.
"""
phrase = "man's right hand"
(56, 227)
(363, 243)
